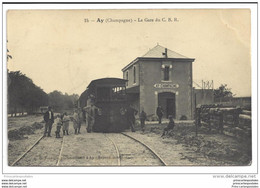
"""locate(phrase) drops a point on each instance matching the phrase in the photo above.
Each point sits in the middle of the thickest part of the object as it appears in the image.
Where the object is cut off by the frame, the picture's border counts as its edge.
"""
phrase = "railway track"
(140, 142)
(27, 151)
(117, 151)
(120, 153)
(32, 147)
(148, 147)
(61, 150)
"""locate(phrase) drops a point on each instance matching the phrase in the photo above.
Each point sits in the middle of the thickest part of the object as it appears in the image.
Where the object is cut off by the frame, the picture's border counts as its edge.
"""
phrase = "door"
(170, 107)
(167, 101)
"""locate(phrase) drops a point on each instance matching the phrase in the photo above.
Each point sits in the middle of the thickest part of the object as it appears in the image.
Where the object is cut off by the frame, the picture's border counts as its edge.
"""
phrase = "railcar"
(108, 96)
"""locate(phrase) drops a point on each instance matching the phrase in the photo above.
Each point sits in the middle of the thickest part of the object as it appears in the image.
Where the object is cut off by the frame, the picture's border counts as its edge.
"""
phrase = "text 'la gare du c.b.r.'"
(130, 20)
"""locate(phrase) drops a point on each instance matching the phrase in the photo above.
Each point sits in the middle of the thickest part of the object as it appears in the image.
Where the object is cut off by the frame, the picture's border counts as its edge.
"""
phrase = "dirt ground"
(205, 149)
(179, 148)
(18, 122)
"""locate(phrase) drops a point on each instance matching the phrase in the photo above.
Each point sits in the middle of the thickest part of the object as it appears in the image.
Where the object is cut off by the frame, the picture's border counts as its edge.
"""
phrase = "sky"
(60, 50)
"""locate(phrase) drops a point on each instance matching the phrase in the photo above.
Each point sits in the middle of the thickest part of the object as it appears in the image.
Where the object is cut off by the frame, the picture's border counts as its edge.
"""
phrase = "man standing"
(142, 119)
(130, 114)
(49, 119)
(159, 113)
(91, 114)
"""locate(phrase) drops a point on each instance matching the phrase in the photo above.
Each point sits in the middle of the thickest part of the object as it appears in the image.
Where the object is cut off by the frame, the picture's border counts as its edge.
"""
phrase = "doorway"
(168, 103)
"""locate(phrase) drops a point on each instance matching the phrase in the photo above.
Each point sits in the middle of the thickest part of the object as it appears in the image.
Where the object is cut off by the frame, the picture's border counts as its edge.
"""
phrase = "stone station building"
(161, 78)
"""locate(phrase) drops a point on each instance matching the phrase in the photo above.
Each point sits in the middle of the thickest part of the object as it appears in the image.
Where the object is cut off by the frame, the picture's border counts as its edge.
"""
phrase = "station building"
(163, 78)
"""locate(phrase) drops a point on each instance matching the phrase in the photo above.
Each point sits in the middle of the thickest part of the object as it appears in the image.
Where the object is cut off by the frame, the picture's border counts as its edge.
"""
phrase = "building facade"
(161, 78)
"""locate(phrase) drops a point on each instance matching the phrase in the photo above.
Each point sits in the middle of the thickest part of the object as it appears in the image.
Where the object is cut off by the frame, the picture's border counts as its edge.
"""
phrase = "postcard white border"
(173, 169)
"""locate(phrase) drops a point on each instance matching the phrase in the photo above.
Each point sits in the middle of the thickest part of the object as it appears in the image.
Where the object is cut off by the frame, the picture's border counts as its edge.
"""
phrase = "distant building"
(161, 78)
(243, 102)
(203, 96)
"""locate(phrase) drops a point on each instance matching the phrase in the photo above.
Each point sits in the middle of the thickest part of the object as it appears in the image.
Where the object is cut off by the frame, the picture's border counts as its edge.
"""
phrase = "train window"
(118, 93)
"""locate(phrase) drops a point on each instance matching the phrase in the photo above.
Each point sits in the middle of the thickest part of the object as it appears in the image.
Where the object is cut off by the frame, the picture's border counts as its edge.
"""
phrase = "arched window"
(134, 75)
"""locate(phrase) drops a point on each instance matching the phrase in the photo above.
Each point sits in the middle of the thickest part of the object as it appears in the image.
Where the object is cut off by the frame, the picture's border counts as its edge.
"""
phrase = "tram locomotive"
(108, 96)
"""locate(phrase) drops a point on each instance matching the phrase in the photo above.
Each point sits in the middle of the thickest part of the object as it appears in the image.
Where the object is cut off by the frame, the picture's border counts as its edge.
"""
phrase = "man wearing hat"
(49, 119)
(159, 113)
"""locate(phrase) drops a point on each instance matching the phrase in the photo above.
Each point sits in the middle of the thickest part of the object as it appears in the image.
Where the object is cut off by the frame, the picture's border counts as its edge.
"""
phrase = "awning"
(133, 90)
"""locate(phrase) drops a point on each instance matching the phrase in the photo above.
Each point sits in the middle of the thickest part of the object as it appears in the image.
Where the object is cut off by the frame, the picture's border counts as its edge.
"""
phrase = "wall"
(131, 75)
(150, 74)
(204, 96)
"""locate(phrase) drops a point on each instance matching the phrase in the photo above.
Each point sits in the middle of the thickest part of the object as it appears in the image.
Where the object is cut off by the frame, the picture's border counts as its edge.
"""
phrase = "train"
(109, 97)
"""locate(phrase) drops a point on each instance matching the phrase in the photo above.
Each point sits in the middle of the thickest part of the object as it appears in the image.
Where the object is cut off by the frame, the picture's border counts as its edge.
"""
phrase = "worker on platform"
(159, 113)
(130, 115)
(49, 120)
(169, 127)
(142, 119)
(90, 116)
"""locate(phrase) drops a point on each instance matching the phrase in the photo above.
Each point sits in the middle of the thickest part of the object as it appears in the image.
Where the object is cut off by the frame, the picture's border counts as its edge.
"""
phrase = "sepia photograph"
(129, 89)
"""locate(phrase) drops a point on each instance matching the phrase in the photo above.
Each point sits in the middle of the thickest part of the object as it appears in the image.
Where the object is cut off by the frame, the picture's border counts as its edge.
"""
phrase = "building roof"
(157, 52)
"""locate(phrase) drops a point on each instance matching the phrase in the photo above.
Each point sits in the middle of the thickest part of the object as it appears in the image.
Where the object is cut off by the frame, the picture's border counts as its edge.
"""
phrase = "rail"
(27, 151)
(149, 148)
(117, 151)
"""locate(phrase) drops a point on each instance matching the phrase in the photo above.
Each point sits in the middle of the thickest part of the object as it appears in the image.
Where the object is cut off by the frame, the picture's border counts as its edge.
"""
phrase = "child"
(65, 121)
(142, 119)
(170, 126)
(58, 123)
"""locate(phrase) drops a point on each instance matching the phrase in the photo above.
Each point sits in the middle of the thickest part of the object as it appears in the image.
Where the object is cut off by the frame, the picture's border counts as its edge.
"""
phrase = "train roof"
(107, 82)
(84, 94)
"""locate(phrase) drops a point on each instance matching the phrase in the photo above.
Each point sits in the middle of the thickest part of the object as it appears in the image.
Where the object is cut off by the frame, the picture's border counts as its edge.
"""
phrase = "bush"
(183, 117)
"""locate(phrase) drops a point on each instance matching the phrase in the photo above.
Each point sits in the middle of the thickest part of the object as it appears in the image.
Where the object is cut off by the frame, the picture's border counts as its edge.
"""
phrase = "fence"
(224, 120)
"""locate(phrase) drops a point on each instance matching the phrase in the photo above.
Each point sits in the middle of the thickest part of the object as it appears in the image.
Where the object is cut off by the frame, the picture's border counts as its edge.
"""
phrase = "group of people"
(131, 112)
(62, 121)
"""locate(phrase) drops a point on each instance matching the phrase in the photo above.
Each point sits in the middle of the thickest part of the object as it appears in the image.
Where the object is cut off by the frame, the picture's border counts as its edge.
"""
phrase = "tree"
(56, 100)
(60, 101)
(8, 55)
(23, 94)
(223, 93)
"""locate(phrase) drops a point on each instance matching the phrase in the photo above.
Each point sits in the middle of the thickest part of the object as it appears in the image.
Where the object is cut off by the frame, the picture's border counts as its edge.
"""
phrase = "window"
(118, 93)
(166, 72)
(134, 75)
(126, 77)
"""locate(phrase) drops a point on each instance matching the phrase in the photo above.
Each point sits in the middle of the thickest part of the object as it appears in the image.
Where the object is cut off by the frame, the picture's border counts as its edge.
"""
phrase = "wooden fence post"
(197, 120)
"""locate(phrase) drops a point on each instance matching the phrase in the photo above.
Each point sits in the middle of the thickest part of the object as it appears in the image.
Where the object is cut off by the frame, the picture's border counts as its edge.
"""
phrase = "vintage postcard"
(129, 88)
